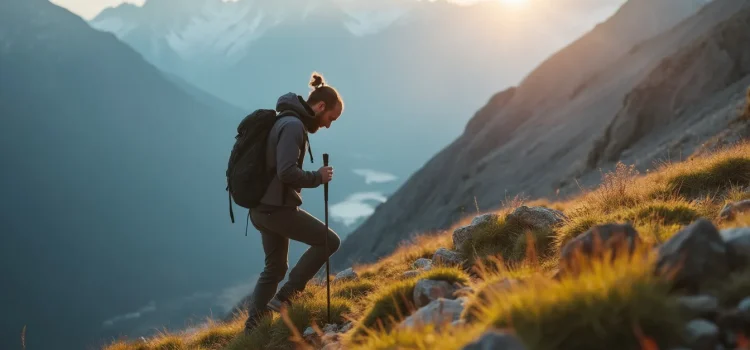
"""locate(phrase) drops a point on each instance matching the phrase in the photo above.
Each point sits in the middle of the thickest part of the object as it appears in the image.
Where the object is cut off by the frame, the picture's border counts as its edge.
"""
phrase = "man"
(279, 217)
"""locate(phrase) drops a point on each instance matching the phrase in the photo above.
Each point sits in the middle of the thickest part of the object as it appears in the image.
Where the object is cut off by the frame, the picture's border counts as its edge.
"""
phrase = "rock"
(606, 237)
(423, 264)
(330, 328)
(428, 290)
(492, 340)
(697, 254)
(411, 274)
(333, 346)
(346, 275)
(738, 246)
(439, 312)
(346, 327)
(744, 306)
(309, 332)
(700, 305)
(537, 218)
(702, 335)
(462, 234)
(447, 257)
(730, 211)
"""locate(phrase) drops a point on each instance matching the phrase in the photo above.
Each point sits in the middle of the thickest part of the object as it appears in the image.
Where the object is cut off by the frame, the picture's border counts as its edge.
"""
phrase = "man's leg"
(302, 227)
(276, 248)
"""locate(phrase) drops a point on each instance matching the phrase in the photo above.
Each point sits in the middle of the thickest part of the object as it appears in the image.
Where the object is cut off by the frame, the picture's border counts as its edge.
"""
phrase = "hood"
(297, 104)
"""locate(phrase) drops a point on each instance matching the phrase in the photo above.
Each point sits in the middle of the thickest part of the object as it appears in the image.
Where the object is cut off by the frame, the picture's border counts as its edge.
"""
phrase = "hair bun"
(317, 80)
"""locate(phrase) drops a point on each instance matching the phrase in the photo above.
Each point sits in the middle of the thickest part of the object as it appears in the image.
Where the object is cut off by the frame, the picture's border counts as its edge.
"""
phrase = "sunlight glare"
(513, 2)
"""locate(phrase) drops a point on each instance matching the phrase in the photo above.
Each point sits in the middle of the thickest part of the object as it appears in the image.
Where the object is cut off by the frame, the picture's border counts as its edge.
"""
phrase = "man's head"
(325, 101)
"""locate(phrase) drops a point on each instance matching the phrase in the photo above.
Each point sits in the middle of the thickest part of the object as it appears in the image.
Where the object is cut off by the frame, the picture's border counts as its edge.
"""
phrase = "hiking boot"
(253, 319)
(276, 304)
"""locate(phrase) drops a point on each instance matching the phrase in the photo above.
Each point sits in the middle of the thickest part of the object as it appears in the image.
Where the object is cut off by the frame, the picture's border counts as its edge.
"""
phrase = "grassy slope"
(614, 306)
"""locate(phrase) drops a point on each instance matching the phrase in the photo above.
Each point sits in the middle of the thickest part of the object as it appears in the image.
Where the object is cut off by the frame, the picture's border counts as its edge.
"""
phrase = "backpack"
(247, 174)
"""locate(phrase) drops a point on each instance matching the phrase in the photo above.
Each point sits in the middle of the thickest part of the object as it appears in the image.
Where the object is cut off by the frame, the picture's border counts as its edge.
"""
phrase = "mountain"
(407, 70)
(534, 138)
(114, 215)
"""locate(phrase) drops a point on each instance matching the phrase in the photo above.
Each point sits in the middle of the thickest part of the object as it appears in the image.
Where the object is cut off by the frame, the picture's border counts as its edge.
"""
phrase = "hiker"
(279, 217)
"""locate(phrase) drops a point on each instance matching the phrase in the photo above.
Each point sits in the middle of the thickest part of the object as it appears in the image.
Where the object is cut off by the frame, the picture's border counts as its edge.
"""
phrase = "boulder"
(346, 275)
(597, 240)
(462, 234)
(346, 327)
(411, 274)
(492, 340)
(428, 290)
(738, 245)
(439, 312)
(695, 255)
(447, 257)
(702, 335)
(730, 211)
(423, 264)
(700, 305)
(537, 218)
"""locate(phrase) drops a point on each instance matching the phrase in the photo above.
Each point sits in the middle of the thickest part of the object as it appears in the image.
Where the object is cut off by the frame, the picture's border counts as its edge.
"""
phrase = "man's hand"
(326, 173)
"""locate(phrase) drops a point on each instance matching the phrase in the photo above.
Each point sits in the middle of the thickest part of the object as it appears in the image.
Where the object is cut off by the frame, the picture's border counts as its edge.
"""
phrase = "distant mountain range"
(408, 70)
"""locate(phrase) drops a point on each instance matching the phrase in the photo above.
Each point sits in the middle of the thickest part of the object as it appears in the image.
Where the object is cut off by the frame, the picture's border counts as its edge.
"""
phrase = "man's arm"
(290, 144)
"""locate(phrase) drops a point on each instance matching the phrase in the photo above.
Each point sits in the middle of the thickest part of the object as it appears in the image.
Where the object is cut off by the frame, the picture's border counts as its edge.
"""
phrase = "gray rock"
(700, 305)
(447, 257)
(439, 312)
(744, 306)
(702, 335)
(738, 246)
(309, 332)
(346, 275)
(411, 273)
(428, 290)
(462, 234)
(423, 264)
(346, 327)
(330, 328)
(730, 211)
(492, 340)
(538, 218)
(694, 255)
(599, 239)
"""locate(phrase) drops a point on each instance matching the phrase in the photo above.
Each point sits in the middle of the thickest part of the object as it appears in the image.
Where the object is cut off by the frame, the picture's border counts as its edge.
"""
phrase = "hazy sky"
(88, 9)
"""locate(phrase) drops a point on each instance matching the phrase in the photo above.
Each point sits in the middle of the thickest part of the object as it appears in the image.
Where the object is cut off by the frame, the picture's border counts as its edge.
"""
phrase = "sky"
(88, 9)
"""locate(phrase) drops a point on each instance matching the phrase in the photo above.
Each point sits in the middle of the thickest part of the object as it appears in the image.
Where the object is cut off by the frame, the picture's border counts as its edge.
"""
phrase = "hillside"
(531, 276)
(535, 139)
(111, 188)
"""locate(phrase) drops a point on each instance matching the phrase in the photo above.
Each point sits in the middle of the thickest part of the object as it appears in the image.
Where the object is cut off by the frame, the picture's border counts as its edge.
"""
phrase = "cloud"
(356, 207)
(374, 176)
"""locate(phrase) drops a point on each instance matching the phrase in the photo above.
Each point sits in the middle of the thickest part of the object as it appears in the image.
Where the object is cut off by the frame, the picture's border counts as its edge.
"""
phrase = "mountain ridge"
(525, 136)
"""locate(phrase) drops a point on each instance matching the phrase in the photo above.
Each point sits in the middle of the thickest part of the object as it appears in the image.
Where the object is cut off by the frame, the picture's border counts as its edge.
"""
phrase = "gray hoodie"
(286, 152)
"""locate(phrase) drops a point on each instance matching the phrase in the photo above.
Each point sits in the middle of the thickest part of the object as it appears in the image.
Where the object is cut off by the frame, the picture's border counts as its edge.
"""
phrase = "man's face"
(327, 117)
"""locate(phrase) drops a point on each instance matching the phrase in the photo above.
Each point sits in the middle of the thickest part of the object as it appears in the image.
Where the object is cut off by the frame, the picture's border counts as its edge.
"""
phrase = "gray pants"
(277, 227)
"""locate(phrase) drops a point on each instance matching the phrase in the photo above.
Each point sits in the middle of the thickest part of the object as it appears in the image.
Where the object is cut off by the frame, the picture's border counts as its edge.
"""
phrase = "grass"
(614, 306)
(599, 309)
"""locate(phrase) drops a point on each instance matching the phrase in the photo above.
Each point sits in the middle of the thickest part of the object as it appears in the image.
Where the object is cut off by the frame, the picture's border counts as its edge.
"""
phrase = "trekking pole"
(328, 263)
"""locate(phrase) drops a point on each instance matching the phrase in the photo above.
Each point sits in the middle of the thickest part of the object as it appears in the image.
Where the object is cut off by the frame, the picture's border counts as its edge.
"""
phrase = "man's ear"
(320, 106)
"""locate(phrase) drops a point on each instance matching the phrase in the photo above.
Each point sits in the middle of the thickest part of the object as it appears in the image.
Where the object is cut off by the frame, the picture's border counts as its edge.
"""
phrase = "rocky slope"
(534, 139)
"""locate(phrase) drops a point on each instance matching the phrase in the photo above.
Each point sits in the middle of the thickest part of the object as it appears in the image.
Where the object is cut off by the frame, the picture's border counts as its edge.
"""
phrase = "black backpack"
(247, 174)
